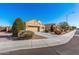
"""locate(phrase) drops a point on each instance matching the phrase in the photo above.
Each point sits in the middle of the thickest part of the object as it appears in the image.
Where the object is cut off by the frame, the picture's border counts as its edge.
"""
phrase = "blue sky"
(46, 12)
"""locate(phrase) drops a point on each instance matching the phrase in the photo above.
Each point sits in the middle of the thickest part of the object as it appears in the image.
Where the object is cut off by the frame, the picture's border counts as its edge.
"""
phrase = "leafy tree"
(74, 27)
(17, 26)
(64, 25)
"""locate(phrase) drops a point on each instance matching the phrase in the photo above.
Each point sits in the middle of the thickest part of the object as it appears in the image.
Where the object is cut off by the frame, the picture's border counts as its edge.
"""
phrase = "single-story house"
(35, 26)
(5, 29)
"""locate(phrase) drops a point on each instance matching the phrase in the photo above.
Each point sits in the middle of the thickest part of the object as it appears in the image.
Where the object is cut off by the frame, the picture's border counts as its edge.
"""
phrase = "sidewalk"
(52, 40)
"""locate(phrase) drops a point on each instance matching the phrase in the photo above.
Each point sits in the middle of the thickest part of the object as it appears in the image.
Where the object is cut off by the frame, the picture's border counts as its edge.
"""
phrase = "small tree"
(52, 27)
(74, 27)
(17, 26)
(64, 25)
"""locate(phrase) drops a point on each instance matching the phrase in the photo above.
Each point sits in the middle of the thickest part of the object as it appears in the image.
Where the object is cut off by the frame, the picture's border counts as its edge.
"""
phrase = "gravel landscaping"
(39, 37)
(34, 38)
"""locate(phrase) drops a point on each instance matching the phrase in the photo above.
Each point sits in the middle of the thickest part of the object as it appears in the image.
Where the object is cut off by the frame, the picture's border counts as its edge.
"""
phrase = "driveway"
(72, 47)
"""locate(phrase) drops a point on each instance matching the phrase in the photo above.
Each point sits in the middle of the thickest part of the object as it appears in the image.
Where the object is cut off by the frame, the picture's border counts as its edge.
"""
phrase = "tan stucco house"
(35, 26)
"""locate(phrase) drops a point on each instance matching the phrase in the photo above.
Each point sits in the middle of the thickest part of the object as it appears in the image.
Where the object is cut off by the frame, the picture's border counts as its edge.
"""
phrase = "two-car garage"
(33, 28)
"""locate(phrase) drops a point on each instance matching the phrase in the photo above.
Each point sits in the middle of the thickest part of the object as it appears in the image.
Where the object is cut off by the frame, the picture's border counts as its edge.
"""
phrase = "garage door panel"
(32, 29)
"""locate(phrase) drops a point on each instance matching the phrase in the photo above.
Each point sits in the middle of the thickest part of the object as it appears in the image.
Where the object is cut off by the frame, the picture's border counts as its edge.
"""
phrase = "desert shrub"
(57, 30)
(25, 34)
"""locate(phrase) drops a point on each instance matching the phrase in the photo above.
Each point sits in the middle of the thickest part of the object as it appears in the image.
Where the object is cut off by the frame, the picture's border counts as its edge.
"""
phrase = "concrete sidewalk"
(52, 40)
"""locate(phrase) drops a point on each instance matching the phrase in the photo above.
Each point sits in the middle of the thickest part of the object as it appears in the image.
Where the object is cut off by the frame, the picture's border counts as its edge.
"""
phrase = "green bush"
(25, 34)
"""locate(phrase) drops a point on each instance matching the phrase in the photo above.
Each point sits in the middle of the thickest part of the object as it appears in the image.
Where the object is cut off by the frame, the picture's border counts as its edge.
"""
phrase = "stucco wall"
(35, 23)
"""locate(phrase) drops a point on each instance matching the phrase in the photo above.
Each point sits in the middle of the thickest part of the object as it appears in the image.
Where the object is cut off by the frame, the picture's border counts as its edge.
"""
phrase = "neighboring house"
(7, 29)
(48, 26)
(35, 26)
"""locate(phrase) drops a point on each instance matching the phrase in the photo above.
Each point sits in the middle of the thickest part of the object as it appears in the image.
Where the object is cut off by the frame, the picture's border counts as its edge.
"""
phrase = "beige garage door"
(35, 29)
